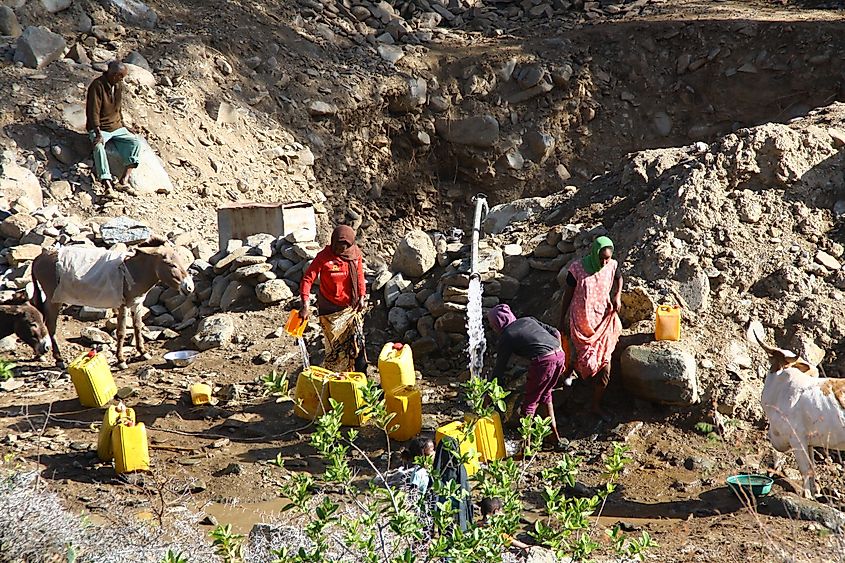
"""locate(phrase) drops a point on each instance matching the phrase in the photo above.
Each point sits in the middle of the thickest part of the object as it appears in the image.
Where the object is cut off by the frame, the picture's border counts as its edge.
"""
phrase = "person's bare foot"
(108, 184)
(124, 180)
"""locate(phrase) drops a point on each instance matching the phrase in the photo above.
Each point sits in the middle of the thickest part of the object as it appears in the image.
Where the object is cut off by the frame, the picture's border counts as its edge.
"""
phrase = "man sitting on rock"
(105, 124)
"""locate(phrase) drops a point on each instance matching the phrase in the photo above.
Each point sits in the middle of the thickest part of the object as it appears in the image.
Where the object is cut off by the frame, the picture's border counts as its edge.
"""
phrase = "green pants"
(128, 147)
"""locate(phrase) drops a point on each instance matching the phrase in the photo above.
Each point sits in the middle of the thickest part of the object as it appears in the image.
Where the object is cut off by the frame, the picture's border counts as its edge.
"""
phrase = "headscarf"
(592, 261)
(499, 317)
(345, 233)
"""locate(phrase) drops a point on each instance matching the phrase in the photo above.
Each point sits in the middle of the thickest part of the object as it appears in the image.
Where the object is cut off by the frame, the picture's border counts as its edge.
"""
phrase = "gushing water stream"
(475, 328)
(475, 323)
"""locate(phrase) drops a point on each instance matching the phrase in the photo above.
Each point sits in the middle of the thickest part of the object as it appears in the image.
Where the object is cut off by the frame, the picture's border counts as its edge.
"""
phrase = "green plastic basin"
(744, 485)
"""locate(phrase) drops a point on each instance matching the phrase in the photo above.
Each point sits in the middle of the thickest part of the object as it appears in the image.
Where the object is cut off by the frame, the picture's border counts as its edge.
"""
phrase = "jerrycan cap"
(91, 353)
(398, 345)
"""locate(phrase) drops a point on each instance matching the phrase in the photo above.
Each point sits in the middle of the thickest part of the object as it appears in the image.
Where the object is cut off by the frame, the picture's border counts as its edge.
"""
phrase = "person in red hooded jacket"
(341, 298)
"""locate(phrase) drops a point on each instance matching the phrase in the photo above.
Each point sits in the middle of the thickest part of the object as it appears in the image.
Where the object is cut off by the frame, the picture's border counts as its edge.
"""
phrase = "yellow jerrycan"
(396, 366)
(406, 403)
(113, 415)
(311, 397)
(200, 393)
(667, 323)
(489, 437)
(345, 388)
(129, 444)
(92, 379)
(456, 430)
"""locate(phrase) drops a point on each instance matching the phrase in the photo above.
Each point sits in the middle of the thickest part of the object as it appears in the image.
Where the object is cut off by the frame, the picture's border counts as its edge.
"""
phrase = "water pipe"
(481, 210)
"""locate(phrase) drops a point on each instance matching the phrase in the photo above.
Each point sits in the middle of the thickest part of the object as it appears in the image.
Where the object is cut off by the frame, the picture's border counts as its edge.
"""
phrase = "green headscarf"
(592, 261)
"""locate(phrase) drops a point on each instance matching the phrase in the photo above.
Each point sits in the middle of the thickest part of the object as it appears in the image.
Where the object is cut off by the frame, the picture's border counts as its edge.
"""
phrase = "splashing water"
(475, 328)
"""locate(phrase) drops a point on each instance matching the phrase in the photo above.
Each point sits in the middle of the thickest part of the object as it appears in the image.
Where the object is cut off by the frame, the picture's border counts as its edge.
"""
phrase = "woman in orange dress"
(592, 300)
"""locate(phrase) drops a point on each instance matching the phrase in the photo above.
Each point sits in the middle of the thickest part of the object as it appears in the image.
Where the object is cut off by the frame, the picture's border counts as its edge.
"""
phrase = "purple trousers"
(543, 375)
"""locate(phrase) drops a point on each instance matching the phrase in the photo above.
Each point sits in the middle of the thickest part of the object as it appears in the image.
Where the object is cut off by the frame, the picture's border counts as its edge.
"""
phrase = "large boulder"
(19, 187)
(38, 46)
(56, 6)
(125, 230)
(136, 13)
(479, 131)
(662, 372)
(74, 117)
(415, 254)
(140, 76)
(149, 177)
(9, 25)
(17, 225)
(500, 216)
(214, 331)
(273, 291)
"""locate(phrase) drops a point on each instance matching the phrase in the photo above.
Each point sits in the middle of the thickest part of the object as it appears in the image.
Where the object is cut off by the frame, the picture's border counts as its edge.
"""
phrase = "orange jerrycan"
(129, 443)
(92, 379)
(489, 437)
(396, 366)
(406, 403)
(111, 418)
(667, 323)
(296, 325)
(466, 443)
(311, 397)
(345, 388)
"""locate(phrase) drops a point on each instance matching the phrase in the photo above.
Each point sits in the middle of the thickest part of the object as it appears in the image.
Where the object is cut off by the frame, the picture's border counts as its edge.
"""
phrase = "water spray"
(475, 326)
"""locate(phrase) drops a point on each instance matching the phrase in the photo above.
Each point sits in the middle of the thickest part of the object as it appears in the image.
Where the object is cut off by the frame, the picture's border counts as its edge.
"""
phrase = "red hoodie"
(335, 281)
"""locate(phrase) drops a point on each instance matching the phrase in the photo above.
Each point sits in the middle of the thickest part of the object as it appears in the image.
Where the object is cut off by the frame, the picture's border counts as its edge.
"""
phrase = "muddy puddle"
(243, 516)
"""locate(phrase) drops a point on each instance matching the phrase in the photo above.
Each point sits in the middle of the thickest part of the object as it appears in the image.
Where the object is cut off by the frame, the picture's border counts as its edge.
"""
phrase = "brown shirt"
(103, 106)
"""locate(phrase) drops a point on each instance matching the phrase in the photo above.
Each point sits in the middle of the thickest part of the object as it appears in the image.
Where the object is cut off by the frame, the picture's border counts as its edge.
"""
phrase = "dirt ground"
(216, 459)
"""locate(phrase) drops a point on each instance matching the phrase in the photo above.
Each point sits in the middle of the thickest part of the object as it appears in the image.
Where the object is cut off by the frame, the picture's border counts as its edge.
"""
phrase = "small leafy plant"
(276, 383)
(227, 544)
(6, 368)
(392, 523)
(172, 557)
(708, 431)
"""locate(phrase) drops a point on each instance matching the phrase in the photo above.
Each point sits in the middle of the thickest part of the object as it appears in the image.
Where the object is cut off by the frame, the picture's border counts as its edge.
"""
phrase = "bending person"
(340, 299)
(592, 299)
(529, 338)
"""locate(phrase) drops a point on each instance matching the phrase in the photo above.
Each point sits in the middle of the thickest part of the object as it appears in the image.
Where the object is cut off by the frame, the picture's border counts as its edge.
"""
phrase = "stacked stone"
(389, 22)
(431, 313)
(25, 235)
(262, 267)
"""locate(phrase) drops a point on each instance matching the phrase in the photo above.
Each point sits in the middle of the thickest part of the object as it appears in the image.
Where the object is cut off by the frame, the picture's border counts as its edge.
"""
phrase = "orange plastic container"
(296, 325)
(396, 366)
(489, 437)
(92, 379)
(667, 323)
(466, 443)
(406, 404)
(129, 443)
(311, 398)
(111, 418)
